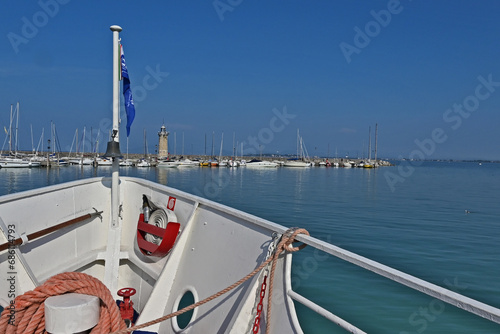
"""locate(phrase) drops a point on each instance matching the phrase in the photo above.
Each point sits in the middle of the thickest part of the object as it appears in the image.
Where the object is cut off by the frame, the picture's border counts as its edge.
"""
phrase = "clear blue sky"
(329, 68)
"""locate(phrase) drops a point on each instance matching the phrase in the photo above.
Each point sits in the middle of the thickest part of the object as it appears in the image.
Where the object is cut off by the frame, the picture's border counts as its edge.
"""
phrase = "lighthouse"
(163, 142)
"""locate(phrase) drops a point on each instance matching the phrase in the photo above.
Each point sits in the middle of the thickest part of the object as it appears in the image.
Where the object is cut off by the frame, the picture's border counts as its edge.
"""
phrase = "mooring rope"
(285, 244)
(30, 309)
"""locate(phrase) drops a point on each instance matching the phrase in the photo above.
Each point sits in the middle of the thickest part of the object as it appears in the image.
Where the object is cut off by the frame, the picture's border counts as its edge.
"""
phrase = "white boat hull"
(168, 164)
(205, 245)
(292, 163)
(261, 164)
(18, 163)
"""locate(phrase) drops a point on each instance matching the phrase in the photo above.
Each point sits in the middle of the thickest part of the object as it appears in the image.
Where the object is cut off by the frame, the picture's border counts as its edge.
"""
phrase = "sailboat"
(127, 162)
(369, 163)
(153, 249)
(144, 162)
(302, 160)
(80, 159)
(14, 159)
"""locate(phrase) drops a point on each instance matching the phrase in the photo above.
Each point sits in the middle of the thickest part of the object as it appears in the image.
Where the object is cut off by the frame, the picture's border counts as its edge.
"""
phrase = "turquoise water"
(419, 226)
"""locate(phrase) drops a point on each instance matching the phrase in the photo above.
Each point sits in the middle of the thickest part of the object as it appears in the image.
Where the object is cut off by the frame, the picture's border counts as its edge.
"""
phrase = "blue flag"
(127, 93)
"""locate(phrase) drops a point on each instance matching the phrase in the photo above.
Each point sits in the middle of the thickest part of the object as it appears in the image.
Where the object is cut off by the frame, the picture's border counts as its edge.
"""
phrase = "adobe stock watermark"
(221, 7)
(150, 82)
(424, 316)
(254, 144)
(277, 123)
(363, 37)
(453, 117)
(31, 25)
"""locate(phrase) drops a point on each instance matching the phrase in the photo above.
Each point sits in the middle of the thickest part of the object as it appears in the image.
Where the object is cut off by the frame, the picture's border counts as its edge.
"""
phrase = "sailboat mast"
(234, 147)
(298, 136)
(376, 133)
(17, 126)
(83, 141)
(10, 130)
(32, 142)
(213, 147)
(220, 153)
(369, 143)
(145, 146)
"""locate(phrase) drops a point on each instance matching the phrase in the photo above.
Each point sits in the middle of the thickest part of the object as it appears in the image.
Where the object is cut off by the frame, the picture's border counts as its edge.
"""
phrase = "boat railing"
(468, 304)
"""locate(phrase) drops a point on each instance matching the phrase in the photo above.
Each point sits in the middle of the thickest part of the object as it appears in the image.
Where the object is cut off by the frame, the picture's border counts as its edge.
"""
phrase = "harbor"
(139, 160)
(356, 210)
(14, 158)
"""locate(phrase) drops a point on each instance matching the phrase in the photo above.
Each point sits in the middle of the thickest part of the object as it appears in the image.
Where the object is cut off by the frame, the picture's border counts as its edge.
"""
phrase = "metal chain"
(272, 245)
(260, 306)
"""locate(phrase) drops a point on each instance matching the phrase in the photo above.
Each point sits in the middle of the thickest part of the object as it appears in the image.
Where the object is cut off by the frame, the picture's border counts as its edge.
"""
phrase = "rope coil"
(29, 309)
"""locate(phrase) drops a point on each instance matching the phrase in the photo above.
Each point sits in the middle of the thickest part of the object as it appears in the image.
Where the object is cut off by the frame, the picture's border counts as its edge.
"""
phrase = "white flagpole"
(114, 234)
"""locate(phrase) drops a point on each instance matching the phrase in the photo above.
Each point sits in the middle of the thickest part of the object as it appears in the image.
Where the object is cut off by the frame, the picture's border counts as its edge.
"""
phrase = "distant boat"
(13, 162)
(143, 163)
(297, 163)
(104, 161)
(187, 163)
(302, 159)
(256, 163)
(347, 164)
(126, 163)
(81, 161)
(168, 164)
(232, 163)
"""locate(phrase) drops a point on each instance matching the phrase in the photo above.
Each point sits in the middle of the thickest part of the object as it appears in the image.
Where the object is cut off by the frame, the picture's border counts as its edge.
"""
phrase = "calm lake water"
(439, 222)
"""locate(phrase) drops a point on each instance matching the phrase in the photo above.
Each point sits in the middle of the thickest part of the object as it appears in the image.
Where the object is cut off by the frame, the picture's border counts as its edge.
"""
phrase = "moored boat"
(168, 164)
(296, 163)
(187, 163)
(256, 163)
(14, 162)
(143, 163)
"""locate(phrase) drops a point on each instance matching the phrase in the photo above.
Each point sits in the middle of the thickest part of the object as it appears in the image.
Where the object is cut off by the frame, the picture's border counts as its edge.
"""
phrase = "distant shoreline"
(263, 157)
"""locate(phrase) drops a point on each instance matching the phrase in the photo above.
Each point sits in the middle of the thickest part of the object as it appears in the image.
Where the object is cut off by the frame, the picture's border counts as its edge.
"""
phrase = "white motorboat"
(81, 161)
(116, 237)
(13, 162)
(102, 161)
(297, 163)
(348, 164)
(126, 163)
(168, 164)
(187, 163)
(233, 163)
(256, 163)
(143, 163)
